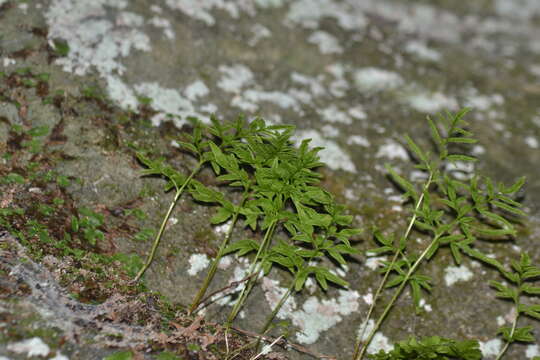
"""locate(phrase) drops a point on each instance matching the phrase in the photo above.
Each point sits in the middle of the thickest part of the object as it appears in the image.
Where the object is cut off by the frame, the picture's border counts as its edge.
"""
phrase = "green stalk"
(179, 192)
(507, 344)
(253, 270)
(215, 262)
(279, 305)
(396, 295)
(284, 297)
(357, 354)
(276, 309)
(514, 325)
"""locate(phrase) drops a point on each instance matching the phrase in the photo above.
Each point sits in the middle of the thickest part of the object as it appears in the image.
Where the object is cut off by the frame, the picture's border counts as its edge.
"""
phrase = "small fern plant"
(280, 198)
(455, 213)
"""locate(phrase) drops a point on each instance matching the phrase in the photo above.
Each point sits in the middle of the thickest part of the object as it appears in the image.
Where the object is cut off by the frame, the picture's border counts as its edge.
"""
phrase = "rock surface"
(353, 76)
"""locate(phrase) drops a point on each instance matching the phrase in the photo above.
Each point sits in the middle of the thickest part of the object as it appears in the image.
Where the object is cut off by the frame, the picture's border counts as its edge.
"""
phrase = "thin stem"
(279, 305)
(284, 343)
(357, 354)
(514, 325)
(269, 346)
(277, 308)
(179, 192)
(211, 298)
(253, 270)
(396, 295)
(286, 295)
(215, 262)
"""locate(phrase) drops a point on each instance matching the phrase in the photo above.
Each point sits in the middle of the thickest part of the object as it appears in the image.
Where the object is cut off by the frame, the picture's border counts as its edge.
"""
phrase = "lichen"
(197, 262)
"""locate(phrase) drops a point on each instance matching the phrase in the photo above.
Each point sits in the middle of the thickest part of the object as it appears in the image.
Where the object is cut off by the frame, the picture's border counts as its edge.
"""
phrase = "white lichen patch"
(164, 24)
(225, 262)
(198, 262)
(453, 274)
(482, 102)
(201, 9)
(521, 9)
(340, 271)
(209, 108)
(259, 32)
(234, 78)
(510, 316)
(535, 70)
(283, 100)
(250, 99)
(239, 273)
(358, 112)
(431, 102)
(330, 131)
(222, 229)
(168, 102)
(421, 51)
(309, 13)
(100, 34)
(532, 351)
(532, 142)
(392, 150)
(478, 150)
(379, 341)
(395, 198)
(196, 90)
(327, 43)
(59, 356)
(269, 3)
(243, 104)
(156, 8)
(340, 85)
(461, 170)
(371, 79)
(301, 95)
(424, 305)
(121, 93)
(332, 154)
(94, 40)
(358, 140)
(334, 115)
(317, 315)
(30, 347)
(8, 61)
(273, 294)
(491, 348)
(373, 262)
(368, 298)
(313, 83)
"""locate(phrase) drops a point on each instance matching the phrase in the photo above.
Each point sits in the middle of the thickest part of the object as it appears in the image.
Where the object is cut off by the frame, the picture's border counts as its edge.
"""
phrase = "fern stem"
(215, 262)
(278, 307)
(254, 269)
(157, 240)
(511, 335)
(285, 296)
(359, 353)
(396, 295)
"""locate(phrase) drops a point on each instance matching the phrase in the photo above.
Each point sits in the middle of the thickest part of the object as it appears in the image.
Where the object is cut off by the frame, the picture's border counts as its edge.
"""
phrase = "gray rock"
(353, 76)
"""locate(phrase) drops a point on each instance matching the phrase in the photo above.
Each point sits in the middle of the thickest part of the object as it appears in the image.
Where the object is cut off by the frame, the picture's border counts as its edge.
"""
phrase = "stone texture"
(352, 75)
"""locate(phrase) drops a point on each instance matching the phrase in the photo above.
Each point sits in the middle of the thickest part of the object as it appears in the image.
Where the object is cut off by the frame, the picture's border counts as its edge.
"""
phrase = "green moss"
(25, 325)
(204, 237)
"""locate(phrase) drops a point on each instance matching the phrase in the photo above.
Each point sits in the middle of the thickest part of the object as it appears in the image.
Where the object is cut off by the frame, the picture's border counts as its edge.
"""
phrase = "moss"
(26, 324)
(205, 236)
